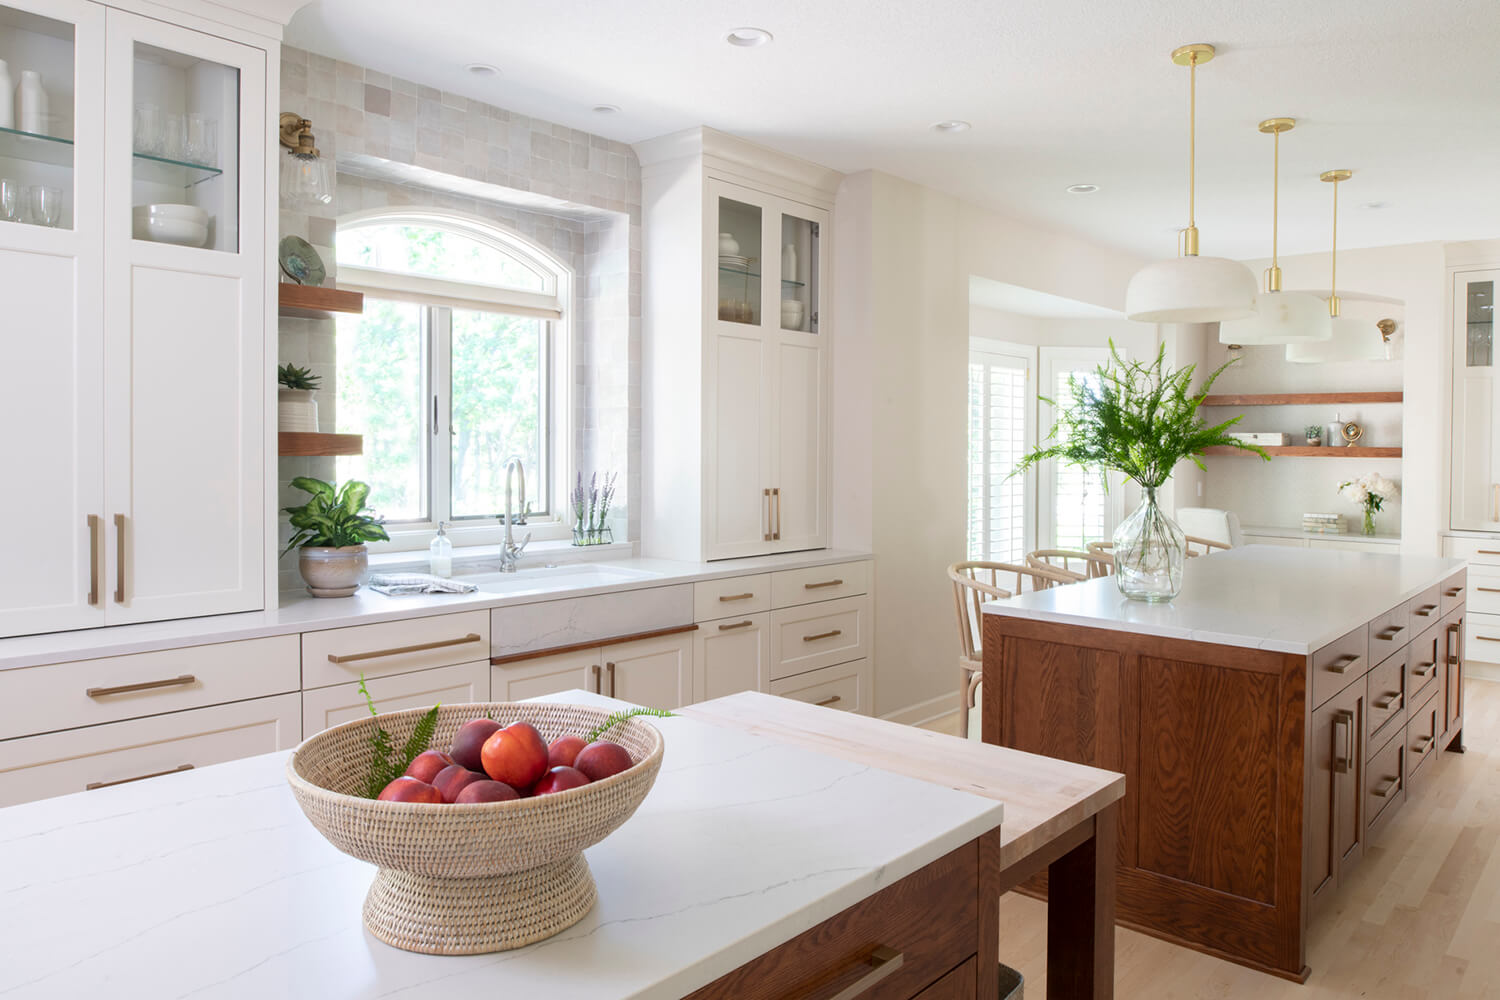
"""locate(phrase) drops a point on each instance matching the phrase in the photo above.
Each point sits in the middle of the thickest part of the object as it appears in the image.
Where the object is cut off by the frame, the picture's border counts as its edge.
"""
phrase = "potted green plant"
(1139, 420)
(330, 532)
(296, 409)
(1314, 434)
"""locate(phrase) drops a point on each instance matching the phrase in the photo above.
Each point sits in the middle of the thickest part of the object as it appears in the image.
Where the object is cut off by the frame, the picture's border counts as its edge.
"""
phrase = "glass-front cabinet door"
(1476, 419)
(740, 261)
(801, 240)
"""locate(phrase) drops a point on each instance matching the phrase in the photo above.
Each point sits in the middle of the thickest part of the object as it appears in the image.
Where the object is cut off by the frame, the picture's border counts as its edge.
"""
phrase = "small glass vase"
(1369, 528)
(592, 536)
(1149, 551)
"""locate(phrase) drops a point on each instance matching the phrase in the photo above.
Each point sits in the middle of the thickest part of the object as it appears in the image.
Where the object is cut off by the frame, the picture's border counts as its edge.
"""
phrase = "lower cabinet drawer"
(1385, 699)
(845, 687)
(1454, 591)
(819, 635)
(928, 918)
(108, 689)
(1482, 638)
(331, 706)
(544, 675)
(1424, 663)
(1423, 728)
(792, 587)
(1385, 782)
(1389, 632)
(960, 984)
(1337, 664)
(337, 655)
(39, 767)
(1424, 609)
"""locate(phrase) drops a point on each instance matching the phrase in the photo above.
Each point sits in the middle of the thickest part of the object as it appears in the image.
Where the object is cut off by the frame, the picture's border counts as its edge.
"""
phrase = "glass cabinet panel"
(37, 58)
(799, 274)
(186, 126)
(1480, 317)
(739, 262)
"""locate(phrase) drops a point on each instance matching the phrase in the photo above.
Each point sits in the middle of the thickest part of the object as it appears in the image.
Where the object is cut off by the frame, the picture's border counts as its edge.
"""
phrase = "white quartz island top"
(1285, 600)
(212, 884)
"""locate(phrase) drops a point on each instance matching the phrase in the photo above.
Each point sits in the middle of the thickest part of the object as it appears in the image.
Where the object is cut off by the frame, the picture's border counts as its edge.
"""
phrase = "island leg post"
(1081, 914)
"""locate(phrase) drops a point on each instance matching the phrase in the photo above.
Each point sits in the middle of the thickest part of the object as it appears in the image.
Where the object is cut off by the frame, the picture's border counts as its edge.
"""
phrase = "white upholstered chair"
(1210, 524)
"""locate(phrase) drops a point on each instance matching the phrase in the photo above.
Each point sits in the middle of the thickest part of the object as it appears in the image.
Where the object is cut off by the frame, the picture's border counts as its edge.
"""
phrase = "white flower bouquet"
(1370, 491)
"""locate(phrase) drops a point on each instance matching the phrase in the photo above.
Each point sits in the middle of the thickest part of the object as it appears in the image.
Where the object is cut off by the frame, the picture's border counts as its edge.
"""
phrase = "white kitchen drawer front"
(732, 655)
(337, 655)
(739, 595)
(38, 767)
(819, 583)
(108, 689)
(1479, 551)
(845, 687)
(455, 685)
(819, 635)
(1281, 540)
(523, 628)
(1484, 590)
(1482, 638)
(581, 669)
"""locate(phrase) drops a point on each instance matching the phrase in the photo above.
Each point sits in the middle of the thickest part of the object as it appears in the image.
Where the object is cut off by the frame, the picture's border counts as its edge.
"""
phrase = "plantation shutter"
(1080, 507)
(999, 402)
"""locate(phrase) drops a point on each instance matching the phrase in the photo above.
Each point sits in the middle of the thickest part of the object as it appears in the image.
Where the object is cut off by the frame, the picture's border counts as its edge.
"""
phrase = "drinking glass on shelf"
(148, 129)
(45, 204)
(201, 139)
(10, 200)
(174, 135)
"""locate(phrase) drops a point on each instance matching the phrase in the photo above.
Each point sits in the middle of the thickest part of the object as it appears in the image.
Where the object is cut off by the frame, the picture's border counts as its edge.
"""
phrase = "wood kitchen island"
(1269, 722)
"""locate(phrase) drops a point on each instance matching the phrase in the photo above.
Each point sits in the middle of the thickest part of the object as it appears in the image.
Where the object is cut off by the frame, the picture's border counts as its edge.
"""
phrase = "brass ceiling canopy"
(296, 135)
(1333, 177)
(1196, 54)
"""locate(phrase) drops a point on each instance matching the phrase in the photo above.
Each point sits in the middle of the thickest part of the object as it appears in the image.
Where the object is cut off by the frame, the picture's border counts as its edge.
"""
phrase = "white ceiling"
(1001, 295)
(1407, 94)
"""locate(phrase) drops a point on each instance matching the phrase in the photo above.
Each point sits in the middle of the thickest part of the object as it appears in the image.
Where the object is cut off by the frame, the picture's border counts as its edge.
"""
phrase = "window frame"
(437, 298)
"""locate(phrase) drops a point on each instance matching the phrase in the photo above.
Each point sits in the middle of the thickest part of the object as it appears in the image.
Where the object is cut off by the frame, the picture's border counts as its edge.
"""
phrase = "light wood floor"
(1419, 919)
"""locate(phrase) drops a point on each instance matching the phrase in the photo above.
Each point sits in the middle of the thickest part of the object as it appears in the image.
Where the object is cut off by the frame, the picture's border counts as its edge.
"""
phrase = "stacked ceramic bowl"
(185, 225)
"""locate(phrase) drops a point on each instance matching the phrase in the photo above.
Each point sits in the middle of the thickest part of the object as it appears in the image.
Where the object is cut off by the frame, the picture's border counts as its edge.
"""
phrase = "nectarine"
(408, 789)
(426, 765)
(564, 751)
(516, 755)
(452, 779)
(469, 741)
(601, 759)
(486, 791)
(560, 779)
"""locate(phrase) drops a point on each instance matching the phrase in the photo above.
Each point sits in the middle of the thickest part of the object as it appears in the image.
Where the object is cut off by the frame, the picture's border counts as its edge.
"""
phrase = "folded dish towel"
(417, 583)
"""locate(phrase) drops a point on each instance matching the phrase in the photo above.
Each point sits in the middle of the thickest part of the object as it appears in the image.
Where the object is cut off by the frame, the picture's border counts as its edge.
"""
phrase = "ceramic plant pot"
(296, 410)
(333, 572)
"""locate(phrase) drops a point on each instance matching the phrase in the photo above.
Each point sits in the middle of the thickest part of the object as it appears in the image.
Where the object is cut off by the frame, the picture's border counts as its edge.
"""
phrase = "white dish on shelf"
(184, 225)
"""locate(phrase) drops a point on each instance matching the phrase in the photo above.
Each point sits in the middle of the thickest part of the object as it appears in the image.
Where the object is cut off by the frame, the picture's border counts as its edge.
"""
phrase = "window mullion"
(440, 403)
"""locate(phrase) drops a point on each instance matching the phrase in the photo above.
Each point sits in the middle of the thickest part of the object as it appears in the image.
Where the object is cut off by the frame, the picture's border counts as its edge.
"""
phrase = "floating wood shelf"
(308, 443)
(310, 302)
(1302, 451)
(1300, 398)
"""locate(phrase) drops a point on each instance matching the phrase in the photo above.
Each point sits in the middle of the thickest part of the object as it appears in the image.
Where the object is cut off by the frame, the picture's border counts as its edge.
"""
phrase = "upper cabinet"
(737, 353)
(1475, 493)
(135, 279)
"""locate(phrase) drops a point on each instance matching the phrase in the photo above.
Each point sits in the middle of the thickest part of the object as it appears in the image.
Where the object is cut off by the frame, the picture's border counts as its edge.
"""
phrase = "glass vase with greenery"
(1140, 420)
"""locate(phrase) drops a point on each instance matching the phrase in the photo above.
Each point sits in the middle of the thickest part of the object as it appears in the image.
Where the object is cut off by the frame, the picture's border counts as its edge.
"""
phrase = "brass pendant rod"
(1275, 196)
(1333, 177)
(1192, 136)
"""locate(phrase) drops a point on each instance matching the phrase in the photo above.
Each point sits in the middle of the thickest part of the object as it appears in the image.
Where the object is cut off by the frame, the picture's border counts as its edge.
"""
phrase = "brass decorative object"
(296, 135)
(1351, 432)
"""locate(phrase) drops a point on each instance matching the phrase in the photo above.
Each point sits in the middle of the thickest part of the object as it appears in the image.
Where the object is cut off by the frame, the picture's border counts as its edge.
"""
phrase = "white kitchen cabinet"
(459, 684)
(541, 675)
(732, 655)
(844, 687)
(655, 672)
(1475, 493)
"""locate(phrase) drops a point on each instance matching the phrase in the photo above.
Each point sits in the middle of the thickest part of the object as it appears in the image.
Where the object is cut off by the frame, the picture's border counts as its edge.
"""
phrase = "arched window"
(452, 368)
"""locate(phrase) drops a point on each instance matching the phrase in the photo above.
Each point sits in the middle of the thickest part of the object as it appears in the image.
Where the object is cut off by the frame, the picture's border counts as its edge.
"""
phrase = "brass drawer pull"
(398, 650)
(1424, 669)
(1387, 786)
(1344, 717)
(1455, 591)
(143, 686)
(1389, 699)
(1422, 745)
(1425, 610)
(776, 531)
(734, 625)
(823, 635)
(726, 598)
(119, 558)
(140, 777)
(832, 699)
(609, 668)
(1486, 638)
(598, 684)
(766, 503)
(1487, 552)
(1390, 632)
(825, 583)
(883, 961)
(1483, 590)
(1343, 663)
(94, 559)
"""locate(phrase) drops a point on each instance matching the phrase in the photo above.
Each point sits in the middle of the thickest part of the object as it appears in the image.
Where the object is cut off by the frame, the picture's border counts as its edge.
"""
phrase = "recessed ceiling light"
(748, 38)
(952, 125)
(1082, 188)
(483, 69)
(606, 109)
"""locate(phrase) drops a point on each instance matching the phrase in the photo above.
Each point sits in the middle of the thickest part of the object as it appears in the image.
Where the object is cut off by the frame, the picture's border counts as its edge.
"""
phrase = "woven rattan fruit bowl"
(463, 879)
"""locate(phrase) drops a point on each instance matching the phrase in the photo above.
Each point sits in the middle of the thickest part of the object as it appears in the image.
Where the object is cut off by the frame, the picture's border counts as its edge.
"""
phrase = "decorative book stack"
(1323, 524)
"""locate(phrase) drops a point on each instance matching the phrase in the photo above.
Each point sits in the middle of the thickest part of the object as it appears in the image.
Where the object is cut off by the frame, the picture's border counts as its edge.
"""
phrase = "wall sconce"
(1387, 328)
(304, 174)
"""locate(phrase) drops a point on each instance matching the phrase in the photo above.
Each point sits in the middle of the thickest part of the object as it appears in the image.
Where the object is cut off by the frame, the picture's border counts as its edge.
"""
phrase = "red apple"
(426, 765)
(469, 741)
(452, 779)
(564, 751)
(408, 789)
(560, 779)
(516, 755)
(601, 759)
(486, 791)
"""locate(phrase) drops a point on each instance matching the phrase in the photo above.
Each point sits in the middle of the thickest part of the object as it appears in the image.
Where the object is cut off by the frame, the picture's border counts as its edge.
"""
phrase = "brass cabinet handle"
(398, 650)
(883, 961)
(1486, 638)
(1388, 699)
(1482, 590)
(832, 699)
(823, 635)
(598, 685)
(726, 598)
(1390, 632)
(143, 686)
(119, 558)
(825, 583)
(1425, 610)
(1387, 786)
(94, 527)
(1422, 744)
(609, 668)
(765, 501)
(776, 531)
(140, 777)
(1344, 717)
(1343, 663)
(1423, 669)
(1488, 552)
(1455, 591)
(744, 624)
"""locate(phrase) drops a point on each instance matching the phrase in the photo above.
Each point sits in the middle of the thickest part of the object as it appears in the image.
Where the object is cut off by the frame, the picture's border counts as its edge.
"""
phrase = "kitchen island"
(784, 849)
(1270, 721)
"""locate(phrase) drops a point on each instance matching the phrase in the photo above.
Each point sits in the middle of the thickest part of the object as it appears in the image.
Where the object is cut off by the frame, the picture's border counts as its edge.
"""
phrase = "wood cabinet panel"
(1424, 664)
(1385, 783)
(1389, 633)
(1424, 727)
(929, 917)
(960, 984)
(1454, 591)
(1208, 739)
(1335, 803)
(1338, 663)
(1424, 609)
(1061, 700)
(1385, 691)
(1454, 652)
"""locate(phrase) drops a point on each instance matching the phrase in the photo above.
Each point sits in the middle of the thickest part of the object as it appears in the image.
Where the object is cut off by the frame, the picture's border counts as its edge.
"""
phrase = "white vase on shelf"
(789, 262)
(31, 103)
(7, 109)
(728, 245)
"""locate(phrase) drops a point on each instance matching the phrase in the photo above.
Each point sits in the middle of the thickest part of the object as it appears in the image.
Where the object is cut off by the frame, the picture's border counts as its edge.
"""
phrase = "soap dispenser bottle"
(440, 553)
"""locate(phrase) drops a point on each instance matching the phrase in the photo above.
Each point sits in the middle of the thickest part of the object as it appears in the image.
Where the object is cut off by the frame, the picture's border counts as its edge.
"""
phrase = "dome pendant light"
(1353, 339)
(1280, 317)
(1190, 288)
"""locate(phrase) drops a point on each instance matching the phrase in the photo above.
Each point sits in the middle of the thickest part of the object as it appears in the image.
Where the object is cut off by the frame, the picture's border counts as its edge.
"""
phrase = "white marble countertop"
(1287, 600)
(212, 884)
(300, 612)
(1276, 531)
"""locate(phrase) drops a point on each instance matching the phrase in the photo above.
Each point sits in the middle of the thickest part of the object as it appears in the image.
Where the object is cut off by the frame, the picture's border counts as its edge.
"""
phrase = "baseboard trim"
(925, 711)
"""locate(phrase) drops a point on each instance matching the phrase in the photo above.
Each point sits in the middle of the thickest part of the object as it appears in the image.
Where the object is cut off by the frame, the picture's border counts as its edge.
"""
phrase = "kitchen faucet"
(509, 550)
